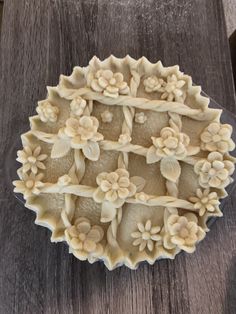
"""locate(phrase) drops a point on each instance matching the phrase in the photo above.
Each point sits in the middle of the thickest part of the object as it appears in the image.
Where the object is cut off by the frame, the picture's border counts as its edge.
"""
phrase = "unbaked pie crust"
(125, 162)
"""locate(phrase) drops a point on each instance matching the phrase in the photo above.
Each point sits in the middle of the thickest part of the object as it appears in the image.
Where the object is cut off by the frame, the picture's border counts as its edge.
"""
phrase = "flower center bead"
(112, 81)
(184, 233)
(204, 200)
(115, 186)
(29, 184)
(146, 235)
(212, 172)
(32, 159)
(216, 138)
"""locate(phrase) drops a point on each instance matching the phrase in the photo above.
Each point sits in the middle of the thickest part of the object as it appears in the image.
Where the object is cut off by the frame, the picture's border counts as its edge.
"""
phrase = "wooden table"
(41, 39)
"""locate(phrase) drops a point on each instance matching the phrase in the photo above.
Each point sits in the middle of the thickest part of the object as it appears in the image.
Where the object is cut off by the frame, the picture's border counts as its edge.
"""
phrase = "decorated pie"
(125, 162)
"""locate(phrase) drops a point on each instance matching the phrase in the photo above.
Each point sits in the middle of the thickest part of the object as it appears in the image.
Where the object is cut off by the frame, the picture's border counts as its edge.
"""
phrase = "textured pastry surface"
(125, 162)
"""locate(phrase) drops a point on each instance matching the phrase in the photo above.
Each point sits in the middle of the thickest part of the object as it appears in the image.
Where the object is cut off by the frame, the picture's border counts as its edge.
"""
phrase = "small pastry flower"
(109, 83)
(124, 139)
(77, 106)
(217, 137)
(214, 171)
(114, 187)
(172, 89)
(107, 116)
(204, 201)
(64, 180)
(141, 196)
(153, 84)
(29, 185)
(146, 236)
(31, 159)
(84, 239)
(182, 233)
(140, 118)
(47, 112)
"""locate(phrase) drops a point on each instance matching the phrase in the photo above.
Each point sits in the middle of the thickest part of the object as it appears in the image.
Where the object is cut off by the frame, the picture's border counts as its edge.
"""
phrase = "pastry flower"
(182, 233)
(84, 239)
(107, 116)
(79, 134)
(109, 83)
(204, 201)
(217, 137)
(64, 180)
(77, 106)
(153, 84)
(29, 185)
(140, 117)
(113, 189)
(31, 159)
(170, 144)
(214, 171)
(114, 186)
(47, 112)
(146, 236)
(124, 139)
(172, 89)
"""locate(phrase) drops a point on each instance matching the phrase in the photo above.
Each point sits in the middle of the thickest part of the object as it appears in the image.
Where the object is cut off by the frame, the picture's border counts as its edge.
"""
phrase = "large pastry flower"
(113, 189)
(214, 171)
(31, 159)
(29, 185)
(204, 201)
(109, 83)
(47, 112)
(146, 236)
(172, 89)
(79, 134)
(84, 239)
(171, 143)
(217, 137)
(182, 233)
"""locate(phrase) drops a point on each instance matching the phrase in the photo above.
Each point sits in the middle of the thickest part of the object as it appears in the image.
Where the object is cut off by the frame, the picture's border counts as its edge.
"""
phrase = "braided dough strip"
(147, 104)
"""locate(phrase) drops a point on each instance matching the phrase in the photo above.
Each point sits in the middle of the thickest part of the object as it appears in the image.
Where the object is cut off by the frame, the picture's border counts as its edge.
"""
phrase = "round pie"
(125, 162)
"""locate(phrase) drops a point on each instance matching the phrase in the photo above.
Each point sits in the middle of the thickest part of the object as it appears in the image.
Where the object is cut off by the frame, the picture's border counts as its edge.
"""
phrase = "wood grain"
(40, 40)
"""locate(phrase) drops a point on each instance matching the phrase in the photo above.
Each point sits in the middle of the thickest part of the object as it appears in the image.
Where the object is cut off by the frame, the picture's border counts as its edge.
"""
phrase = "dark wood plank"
(40, 40)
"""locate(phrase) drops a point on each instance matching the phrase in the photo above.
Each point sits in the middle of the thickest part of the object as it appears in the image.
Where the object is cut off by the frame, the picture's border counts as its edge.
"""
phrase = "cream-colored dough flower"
(84, 239)
(77, 106)
(124, 139)
(182, 233)
(47, 112)
(214, 171)
(29, 185)
(172, 89)
(109, 83)
(204, 201)
(31, 159)
(217, 137)
(146, 236)
(114, 187)
(170, 144)
(107, 116)
(140, 118)
(153, 84)
(64, 180)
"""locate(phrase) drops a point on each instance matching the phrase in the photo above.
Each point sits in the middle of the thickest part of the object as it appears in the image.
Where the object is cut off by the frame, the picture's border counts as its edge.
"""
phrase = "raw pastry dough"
(125, 162)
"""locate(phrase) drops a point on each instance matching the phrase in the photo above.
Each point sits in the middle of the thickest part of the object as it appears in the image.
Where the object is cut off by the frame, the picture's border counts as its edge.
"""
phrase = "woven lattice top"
(125, 162)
